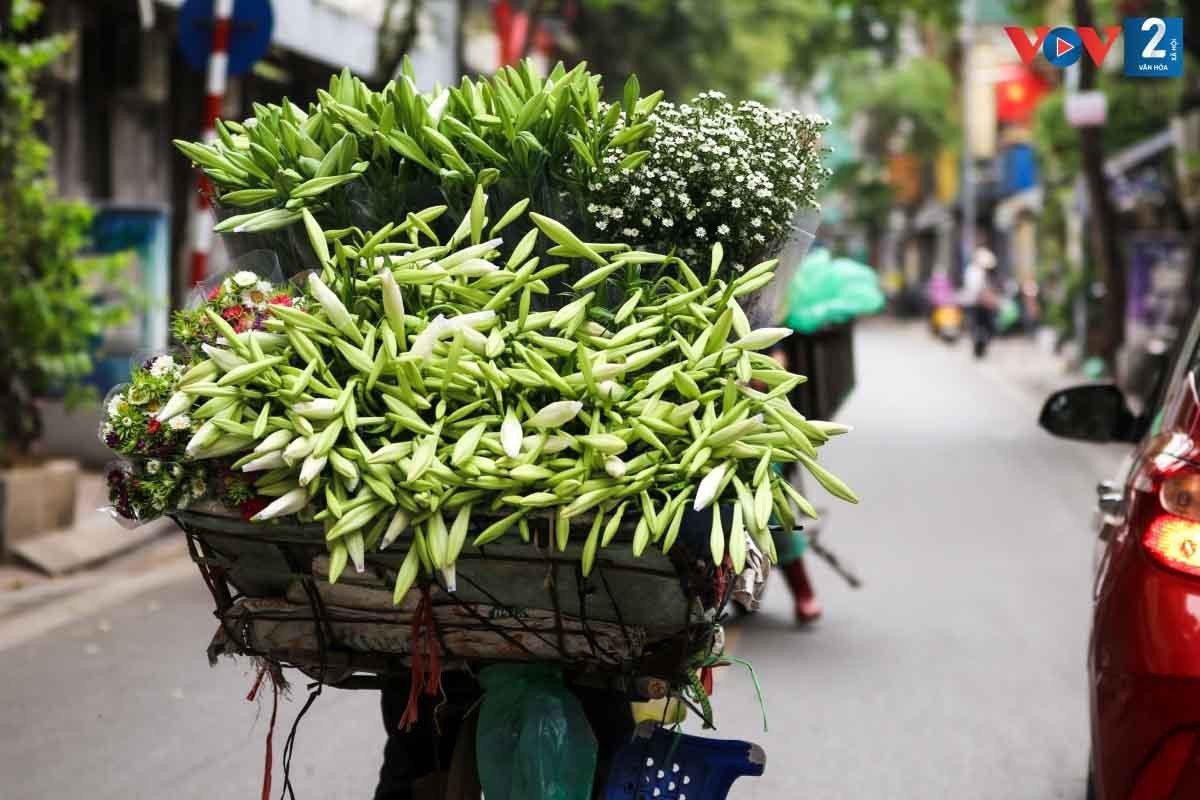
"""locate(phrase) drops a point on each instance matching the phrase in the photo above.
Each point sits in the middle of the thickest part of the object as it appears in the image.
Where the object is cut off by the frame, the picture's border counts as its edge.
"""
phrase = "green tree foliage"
(681, 46)
(1137, 109)
(916, 97)
(46, 299)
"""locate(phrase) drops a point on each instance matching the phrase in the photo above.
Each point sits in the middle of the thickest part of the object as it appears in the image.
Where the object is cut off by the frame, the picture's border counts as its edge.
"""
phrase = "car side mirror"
(1092, 413)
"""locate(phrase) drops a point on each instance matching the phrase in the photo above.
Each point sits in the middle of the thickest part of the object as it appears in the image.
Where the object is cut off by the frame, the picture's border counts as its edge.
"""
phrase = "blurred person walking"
(981, 298)
(790, 545)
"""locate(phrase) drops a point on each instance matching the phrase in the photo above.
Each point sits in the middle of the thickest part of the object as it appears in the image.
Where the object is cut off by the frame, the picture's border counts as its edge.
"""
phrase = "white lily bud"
(450, 577)
(762, 338)
(269, 342)
(607, 443)
(393, 301)
(311, 469)
(283, 505)
(275, 441)
(396, 527)
(321, 408)
(707, 491)
(554, 444)
(741, 325)
(298, 448)
(225, 359)
(610, 390)
(438, 107)
(271, 460)
(224, 445)
(682, 413)
(346, 468)
(511, 434)
(206, 435)
(602, 372)
(334, 309)
(830, 428)
(614, 466)
(356, 549)
(474, 268)
(423, 342)
(556, 414)
(475, 341)
(176, 405)
(479, 320)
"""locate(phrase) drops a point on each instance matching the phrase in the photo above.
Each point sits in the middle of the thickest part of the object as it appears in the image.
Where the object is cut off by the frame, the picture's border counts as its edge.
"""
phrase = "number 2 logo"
(1153, 47)
(1159, 26)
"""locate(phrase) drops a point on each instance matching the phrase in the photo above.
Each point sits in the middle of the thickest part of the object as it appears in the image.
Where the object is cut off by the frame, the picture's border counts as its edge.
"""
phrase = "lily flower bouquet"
(483, 345)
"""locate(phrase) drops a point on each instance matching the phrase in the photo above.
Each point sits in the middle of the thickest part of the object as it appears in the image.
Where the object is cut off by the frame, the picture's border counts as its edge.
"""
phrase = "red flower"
(214, 293)
(281, 300)
(232, 313)
(252, 506)
(153, 426)
(243, 324)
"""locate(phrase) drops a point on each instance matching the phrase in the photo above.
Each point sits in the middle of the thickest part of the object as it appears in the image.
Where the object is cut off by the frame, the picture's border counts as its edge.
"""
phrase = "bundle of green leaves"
(361, 158)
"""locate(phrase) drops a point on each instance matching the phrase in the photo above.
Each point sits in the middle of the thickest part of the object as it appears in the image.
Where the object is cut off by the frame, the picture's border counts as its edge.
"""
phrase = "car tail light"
(1171, 478)
(1174, 542)
(1180, 494)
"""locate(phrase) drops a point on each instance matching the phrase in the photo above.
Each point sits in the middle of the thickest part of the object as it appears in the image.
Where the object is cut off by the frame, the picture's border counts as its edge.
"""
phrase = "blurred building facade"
(124, 91)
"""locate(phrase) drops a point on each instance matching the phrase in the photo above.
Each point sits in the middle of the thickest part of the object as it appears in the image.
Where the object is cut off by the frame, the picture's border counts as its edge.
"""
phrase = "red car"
(1144, 654)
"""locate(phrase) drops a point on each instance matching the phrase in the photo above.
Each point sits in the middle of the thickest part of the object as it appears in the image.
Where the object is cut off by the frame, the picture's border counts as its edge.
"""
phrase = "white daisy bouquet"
(716, 172)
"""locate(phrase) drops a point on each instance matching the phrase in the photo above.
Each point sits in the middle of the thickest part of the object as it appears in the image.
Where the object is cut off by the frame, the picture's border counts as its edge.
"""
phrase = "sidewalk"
(94, 550)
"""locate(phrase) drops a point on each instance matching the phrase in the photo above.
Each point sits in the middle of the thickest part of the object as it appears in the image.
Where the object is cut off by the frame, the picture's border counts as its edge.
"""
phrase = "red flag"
(1018, 93)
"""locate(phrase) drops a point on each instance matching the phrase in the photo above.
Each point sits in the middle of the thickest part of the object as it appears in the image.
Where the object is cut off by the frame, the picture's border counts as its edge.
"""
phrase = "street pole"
(967, 179)
(218, 72)
(1102, 216)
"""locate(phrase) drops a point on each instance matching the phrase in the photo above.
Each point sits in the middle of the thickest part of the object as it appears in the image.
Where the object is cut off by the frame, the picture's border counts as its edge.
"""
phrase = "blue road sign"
(249, 33)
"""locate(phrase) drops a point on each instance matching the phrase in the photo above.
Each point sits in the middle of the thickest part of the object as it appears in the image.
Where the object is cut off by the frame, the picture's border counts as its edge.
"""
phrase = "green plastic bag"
(1008, 315)
(827, 291)
(533, 738)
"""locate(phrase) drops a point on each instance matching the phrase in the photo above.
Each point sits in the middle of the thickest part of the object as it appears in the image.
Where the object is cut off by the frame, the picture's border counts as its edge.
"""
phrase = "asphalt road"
(956, 672)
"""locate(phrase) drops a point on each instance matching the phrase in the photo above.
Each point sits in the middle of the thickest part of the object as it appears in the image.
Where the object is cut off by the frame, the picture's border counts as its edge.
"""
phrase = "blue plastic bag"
(533, 740)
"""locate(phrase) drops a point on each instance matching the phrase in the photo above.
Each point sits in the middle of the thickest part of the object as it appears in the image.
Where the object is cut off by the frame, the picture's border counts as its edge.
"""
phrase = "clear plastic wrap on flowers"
(160, 362)
(241, 296)
(142, 490)
(144, 418)
(768, 306)
(262, 264)
(111, 410)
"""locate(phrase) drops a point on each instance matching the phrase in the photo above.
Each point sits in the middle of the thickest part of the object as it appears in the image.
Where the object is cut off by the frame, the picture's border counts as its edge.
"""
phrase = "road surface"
(956, 672)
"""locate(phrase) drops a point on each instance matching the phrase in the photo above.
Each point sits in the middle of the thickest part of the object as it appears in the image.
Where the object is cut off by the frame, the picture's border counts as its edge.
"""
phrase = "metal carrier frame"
(239, 560)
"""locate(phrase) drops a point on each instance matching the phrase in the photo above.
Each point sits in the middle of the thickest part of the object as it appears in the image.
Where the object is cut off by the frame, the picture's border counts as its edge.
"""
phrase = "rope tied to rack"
(426, 673)
(269, 756)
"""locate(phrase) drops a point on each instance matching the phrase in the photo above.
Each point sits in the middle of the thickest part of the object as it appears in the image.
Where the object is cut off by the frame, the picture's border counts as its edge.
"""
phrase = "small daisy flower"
(162, 365)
